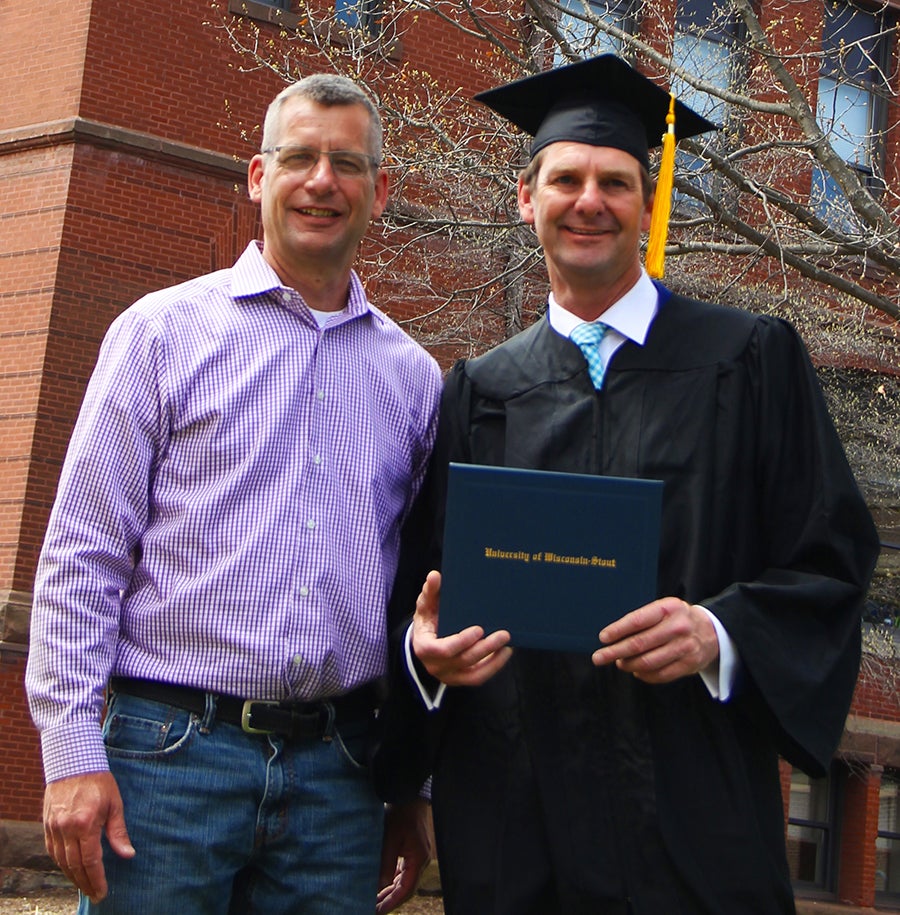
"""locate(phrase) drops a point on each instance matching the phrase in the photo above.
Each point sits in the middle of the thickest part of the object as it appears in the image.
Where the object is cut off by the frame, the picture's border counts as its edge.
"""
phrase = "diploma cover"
(551, 557)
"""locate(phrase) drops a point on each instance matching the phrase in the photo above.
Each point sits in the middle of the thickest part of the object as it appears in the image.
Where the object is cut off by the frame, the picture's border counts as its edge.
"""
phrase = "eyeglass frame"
(373, 161)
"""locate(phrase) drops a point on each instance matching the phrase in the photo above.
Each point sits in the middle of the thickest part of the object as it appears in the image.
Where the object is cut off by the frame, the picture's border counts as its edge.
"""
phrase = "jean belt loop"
(209, 713)
(328, 730)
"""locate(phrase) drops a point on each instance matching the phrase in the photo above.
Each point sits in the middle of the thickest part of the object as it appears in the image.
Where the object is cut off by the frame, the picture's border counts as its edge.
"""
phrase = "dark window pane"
(851, 44)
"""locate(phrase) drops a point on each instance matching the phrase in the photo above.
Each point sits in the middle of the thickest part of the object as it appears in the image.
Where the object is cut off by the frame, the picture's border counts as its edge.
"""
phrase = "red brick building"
(124, 135)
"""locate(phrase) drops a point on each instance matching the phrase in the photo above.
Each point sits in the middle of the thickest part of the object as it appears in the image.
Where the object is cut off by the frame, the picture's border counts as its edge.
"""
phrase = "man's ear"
(254, 178)
(526, 207)
(381, 193)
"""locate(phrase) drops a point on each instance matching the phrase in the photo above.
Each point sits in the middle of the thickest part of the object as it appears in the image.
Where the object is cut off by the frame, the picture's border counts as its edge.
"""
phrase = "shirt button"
(311, 524)
(320, 395)
(304, 591)
(317, 459)
(297, 659)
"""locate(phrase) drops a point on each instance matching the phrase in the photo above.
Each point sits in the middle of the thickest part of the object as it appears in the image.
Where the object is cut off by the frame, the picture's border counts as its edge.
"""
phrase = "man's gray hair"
(324, 89)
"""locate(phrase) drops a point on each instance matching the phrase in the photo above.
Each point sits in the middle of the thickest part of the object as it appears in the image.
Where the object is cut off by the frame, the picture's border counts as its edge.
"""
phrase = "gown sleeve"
(796, 625)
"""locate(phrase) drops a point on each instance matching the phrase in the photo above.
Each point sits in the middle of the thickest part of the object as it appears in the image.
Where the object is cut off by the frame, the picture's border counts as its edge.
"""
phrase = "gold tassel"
(662, 202)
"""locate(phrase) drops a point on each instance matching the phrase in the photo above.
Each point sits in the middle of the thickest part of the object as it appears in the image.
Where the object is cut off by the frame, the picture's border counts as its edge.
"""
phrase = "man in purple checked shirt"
(219, 559)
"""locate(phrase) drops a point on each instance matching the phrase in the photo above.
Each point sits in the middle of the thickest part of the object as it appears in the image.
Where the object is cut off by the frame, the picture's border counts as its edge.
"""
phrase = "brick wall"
(41, 60)
(858, 834)
(33, 190)
(21, 794)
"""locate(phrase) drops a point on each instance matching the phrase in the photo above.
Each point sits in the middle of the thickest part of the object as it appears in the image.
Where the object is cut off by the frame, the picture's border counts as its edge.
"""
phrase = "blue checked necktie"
(588, 337)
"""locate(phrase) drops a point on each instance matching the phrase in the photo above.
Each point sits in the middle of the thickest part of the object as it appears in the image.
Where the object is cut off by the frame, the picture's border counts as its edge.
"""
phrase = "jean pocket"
(140, 728)
(354, 743)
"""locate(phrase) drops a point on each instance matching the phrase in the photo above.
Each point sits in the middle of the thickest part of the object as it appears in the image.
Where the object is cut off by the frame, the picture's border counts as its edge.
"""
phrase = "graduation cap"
(603, 101)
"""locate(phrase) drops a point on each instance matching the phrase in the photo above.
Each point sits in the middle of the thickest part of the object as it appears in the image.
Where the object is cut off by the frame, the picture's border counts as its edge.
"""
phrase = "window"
(850, 102)
(277, 11)
(583, 35)
(704, 45)
(812, 829)
(887, 845)
(360, 14)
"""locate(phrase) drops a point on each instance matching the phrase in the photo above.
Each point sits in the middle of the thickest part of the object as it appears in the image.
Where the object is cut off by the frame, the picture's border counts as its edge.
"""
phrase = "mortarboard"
(603, 101)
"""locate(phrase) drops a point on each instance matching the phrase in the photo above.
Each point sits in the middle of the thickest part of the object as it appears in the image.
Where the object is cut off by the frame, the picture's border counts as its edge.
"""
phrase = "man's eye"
(299, 159)
(348, 165)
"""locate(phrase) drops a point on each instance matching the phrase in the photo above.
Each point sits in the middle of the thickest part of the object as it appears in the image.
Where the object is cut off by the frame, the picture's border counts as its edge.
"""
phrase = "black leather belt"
(293, 720)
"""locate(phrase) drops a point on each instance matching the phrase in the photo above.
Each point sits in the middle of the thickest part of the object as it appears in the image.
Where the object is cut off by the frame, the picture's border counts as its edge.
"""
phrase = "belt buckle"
(247, 711)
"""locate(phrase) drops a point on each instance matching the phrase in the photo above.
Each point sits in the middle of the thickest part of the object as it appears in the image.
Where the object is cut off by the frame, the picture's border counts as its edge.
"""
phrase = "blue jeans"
(228, 822)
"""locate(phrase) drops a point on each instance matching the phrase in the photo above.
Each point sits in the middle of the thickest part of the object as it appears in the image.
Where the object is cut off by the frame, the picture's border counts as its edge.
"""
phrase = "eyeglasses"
(303, 159)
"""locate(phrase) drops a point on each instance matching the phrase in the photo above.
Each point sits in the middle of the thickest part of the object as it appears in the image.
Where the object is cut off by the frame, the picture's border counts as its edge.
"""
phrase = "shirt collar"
(252, 275)
(631, 315)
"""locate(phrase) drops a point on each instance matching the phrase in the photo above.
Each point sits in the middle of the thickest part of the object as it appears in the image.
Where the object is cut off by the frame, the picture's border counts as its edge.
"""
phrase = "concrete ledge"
(873, 741)
(82, 130)
(15, 618)
(22, 846)
(815, 907)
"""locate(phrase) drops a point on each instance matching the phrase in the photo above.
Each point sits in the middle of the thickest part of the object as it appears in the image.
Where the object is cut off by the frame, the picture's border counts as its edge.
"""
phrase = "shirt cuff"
(719, 677)
(73, 749)
(431, 702)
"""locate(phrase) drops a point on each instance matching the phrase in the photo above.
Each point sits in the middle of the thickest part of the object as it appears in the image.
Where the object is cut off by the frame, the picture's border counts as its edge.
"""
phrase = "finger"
(664, 654)
(70, 864)
(455, 655)
(400, 889)
(463, 651)
(91, 876)
(391, 859)
(653, 661)
(426, 643)
(388, 872)
(666, 673)
(634, 622)
(55, 849)
(388, 889)
(479, 673)
(644, 630)
(635, 646)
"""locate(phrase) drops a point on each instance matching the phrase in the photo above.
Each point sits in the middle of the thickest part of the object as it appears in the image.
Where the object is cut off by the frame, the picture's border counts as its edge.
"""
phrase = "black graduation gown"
(561, 787)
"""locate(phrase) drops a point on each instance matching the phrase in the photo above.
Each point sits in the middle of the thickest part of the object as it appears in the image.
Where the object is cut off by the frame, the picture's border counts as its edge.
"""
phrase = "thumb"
(117, 833)
(425, 621)
(429, 601)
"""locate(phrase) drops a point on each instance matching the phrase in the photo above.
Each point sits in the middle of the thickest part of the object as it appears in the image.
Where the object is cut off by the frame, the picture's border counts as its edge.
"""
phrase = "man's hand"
(466, 658)
(76, 811)
(405, 853)
(660, 642)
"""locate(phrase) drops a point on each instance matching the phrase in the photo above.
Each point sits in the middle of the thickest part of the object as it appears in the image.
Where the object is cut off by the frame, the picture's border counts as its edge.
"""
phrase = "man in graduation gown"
(643, 779)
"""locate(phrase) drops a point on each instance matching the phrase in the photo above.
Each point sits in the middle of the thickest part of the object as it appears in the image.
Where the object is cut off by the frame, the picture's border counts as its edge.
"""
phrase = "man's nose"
(592, 198)
(322, 172)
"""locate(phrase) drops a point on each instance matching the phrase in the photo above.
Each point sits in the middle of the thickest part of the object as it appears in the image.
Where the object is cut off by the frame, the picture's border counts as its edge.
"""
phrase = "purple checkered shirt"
(228, 512)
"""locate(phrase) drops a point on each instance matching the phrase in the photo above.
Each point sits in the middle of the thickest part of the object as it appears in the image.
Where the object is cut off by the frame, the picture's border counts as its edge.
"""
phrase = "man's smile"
(589, 230)
(316, 211)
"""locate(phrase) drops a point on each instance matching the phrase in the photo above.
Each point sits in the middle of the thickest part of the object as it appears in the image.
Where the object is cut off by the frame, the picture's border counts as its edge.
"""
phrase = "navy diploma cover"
(551, 557)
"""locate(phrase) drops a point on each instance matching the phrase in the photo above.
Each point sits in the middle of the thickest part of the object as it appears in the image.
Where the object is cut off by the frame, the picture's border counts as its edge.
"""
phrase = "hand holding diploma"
(660, 642)
(466, 658)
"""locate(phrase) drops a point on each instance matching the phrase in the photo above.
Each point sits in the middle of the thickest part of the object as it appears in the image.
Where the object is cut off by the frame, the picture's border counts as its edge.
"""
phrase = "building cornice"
(135, 142)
